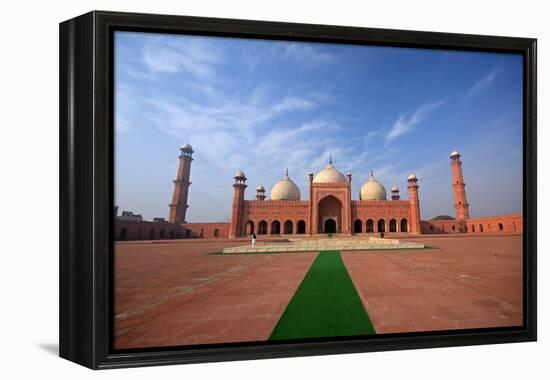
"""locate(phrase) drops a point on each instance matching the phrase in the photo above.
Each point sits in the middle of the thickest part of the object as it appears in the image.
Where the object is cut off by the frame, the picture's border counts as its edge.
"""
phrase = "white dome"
(260, 188)
(329, 175)
(285, 189)
(239, 174)
(373, 190)
(412, 176)
(454, 153)
(394, 188)
(187, 146)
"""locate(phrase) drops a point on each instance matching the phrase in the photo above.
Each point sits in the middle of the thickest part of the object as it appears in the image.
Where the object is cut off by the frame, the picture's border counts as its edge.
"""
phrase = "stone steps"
(325, 244)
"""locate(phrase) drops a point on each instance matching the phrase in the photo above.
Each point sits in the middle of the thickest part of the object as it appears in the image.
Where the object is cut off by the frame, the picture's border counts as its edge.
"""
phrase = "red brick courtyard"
(173, 293)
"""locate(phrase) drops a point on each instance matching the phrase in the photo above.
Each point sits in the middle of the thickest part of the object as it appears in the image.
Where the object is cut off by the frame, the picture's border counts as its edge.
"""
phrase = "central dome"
(372, 190)
(285, 189)
(329, 175)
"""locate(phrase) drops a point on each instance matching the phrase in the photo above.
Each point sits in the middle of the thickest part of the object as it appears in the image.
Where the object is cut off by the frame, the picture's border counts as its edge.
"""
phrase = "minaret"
(347, 227)
(236, 226)
(260, 193)
(179, 205)
(395, 193)
(459, 188)
(310, 223)
(414, 204)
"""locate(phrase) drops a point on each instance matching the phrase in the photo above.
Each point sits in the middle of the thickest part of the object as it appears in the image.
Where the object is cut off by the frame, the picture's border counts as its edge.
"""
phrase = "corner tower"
(459, 188)
(179, 205)
(236, 225)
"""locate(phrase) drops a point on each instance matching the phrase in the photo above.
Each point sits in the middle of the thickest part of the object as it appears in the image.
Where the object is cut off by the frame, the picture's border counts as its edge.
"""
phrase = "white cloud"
(484, 82)
(233, 133)
(307, 53)
(406, 122)
(292, 103)
(173, 55)
(126, 105)
(287, 52)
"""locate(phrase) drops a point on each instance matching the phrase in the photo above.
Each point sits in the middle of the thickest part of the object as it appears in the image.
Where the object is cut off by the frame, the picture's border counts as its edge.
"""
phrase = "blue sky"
(262, 106)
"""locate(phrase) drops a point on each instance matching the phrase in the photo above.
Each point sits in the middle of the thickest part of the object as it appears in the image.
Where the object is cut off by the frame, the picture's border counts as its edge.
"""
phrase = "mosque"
(328, 209)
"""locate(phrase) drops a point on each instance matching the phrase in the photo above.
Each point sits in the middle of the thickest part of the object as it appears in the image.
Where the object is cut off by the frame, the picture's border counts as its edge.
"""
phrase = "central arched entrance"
(330, 215)
(330, 226)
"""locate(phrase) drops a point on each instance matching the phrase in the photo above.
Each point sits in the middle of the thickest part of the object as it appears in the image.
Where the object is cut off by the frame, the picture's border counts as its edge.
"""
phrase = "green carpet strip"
(326, 304)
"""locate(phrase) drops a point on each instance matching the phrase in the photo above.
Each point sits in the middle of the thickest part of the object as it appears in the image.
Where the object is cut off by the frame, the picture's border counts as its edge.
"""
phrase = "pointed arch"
(262, 228)
(249, 229)
(330, 207)
(329, 226)
(301, 227)
(369, 226)
(404, 225)
(288, 227)
(393, 225)
(275, 227)
(381, 225)
(357, 226)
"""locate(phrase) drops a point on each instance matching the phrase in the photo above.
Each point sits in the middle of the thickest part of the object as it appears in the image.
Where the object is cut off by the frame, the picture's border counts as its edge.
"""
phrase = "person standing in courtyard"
(253, 239)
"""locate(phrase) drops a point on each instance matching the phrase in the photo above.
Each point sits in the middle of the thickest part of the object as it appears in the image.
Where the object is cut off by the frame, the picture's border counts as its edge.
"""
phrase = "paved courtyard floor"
(175, 293)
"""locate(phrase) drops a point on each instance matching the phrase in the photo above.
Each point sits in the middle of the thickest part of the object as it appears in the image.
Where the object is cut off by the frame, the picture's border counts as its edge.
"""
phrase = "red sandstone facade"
(329, 209)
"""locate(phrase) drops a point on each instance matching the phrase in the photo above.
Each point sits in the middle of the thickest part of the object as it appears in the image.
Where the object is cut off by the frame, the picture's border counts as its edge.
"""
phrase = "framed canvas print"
(238, 189)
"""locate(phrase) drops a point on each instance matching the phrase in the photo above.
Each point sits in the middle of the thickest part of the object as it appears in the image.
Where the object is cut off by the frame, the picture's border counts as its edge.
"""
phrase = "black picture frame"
(86, 187)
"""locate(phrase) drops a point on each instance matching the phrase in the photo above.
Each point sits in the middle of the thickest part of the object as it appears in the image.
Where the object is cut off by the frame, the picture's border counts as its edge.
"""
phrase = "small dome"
(412, 176)
(260, 188)
(285, 189)
(372, 190)
(239, 174)
(329, 175)
(454, 153)
(186, 147)
(394, 189)
(443, 217)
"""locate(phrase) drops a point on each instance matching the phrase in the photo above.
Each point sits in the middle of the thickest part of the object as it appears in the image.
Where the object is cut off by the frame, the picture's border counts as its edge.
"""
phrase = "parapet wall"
(442, 227)
(509, 224)
(270, 203)
(208, 230)
(144, 230)
(497, 224)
